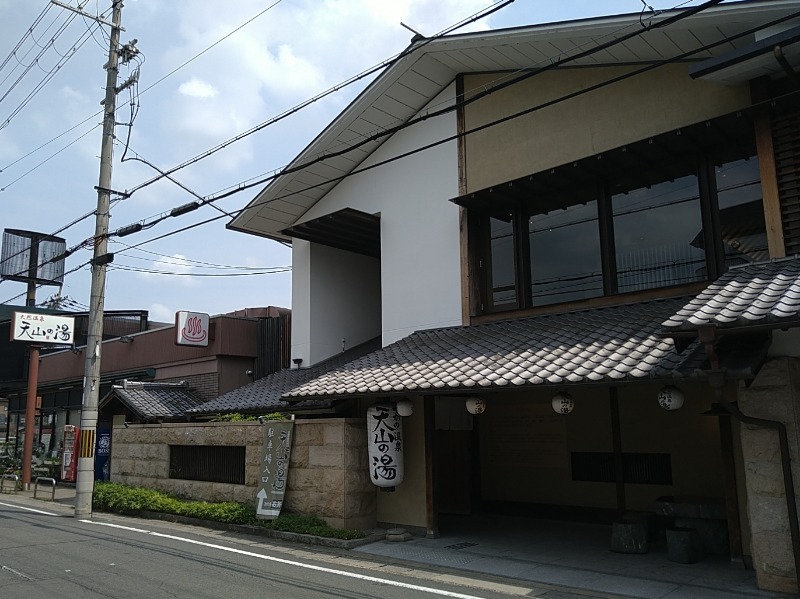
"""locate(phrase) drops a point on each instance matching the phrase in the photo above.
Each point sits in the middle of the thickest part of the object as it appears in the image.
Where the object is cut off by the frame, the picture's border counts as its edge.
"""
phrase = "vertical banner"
(102, 455)
(69, 454)
(274, 468)
(385, 445)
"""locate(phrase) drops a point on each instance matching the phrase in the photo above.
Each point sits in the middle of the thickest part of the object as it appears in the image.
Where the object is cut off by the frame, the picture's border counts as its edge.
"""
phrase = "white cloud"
(197, 88)
(161, 313)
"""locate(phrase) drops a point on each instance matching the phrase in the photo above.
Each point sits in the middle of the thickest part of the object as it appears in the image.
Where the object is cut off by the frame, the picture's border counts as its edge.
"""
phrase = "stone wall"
(773, 395)
(328, 475)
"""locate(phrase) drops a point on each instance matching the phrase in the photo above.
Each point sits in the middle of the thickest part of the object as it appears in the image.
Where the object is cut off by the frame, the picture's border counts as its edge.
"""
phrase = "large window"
(565, 254)
(654, 227)
(654, 216)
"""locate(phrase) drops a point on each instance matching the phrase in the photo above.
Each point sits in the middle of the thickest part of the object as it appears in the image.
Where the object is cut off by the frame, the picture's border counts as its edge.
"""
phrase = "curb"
(264, 532)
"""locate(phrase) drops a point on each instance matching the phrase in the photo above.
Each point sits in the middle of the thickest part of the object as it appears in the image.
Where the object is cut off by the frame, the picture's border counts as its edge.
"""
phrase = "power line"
(666, 22)
(184, 260)
(383, 64)
(487, 125)
(275, 270)
(196, 56)
(456, 136)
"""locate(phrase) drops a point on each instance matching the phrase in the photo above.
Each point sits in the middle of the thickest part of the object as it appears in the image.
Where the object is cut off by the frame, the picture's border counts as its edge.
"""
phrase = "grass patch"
(114, 497)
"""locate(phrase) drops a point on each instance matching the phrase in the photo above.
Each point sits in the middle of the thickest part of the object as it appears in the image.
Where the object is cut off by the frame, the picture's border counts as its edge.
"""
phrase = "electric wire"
(354, 79)
(614, 80)
(670, 20)
(143, 91)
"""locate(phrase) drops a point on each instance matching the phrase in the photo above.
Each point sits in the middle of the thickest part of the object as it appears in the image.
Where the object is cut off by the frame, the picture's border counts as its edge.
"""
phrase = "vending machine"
(69, 457)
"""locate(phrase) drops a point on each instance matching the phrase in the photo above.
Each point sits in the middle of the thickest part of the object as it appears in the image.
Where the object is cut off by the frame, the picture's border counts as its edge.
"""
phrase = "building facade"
(596, 217)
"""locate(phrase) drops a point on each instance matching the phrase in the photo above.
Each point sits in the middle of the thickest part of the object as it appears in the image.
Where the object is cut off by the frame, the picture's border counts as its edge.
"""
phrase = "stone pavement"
(549, 554)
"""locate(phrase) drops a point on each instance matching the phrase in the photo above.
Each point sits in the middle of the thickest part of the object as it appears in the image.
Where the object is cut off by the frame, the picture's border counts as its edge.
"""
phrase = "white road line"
(291, 562)
(29, 509)
(17, 573)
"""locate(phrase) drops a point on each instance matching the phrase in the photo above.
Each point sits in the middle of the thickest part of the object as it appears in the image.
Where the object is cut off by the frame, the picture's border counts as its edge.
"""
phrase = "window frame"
(705, 162)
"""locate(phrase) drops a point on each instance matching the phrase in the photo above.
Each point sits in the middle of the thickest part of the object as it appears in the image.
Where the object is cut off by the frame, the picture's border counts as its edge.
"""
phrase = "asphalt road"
(47, 553)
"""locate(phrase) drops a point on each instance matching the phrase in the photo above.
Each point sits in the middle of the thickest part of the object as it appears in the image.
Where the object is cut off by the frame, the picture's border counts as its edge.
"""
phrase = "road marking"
(29, 509)
(287, 562)
(20, 574)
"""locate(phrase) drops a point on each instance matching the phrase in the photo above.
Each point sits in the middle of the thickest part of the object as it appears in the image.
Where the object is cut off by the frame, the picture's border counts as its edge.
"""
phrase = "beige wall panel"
(525, 446)
(407, 504)
(648, 104)
(691, 439)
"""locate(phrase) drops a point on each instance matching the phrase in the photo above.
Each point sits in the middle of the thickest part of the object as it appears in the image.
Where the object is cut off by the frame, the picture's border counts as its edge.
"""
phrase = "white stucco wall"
(420, 261)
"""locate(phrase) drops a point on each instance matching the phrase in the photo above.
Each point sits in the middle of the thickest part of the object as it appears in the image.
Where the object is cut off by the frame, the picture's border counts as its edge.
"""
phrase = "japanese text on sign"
(274, 469)
(385, 446)
(42, 328)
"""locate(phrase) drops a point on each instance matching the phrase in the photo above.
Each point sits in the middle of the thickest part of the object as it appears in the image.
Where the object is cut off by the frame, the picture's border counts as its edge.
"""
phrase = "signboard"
(192, 328)
(274, 468)
(102, 455)
(69, 458)
(42, 328)
(385, 446)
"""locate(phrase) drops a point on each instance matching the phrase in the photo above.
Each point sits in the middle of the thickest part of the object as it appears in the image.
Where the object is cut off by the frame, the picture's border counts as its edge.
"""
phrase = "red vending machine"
(69, 457)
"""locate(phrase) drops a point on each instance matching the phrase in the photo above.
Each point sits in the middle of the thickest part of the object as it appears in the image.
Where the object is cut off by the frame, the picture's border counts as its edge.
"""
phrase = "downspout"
(716, 379)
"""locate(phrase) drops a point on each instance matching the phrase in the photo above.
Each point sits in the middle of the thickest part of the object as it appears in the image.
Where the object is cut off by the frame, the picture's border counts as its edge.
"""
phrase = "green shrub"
(114, 497)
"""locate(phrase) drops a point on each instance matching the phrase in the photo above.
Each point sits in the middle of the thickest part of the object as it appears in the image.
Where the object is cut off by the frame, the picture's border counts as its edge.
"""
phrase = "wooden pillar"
(731, 493)
(616, 436)
(431, 516)
(30, 416)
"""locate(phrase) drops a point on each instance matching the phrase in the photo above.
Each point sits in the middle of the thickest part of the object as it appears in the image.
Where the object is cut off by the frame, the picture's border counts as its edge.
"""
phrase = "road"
(47, 553)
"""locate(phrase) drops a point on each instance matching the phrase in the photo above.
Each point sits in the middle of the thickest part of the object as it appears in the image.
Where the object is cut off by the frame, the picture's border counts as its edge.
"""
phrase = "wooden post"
(30, 416)
(616, 437)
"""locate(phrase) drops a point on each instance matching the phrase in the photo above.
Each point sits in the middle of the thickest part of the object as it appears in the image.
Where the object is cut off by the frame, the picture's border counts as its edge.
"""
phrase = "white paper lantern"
(670, 398)
(475, 405)
(405, 407)
(562, 403)
(385, 446)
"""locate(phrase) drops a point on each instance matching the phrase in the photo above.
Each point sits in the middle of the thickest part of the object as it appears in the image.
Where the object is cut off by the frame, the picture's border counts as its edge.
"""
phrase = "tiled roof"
(265, 393)
(764, 293)
(155, 400)
(597, 345)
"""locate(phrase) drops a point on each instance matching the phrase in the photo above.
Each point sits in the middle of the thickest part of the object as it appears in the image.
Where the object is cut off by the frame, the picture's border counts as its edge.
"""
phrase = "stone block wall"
(328, 470)
(773, 395)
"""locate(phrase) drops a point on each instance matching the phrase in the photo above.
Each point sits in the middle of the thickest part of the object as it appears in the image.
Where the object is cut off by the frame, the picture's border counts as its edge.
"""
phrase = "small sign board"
(42, 328)
(274, 468)
(192, 328)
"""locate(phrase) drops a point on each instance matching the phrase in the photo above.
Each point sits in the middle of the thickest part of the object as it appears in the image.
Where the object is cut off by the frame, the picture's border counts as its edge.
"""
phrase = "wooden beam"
(759, 91)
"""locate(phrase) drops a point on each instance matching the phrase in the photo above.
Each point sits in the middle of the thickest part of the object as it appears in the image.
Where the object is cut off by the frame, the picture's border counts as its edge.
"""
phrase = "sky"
(208, 71)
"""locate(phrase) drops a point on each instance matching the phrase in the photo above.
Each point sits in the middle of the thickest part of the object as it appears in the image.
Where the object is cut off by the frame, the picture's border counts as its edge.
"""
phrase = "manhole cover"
(461, 545)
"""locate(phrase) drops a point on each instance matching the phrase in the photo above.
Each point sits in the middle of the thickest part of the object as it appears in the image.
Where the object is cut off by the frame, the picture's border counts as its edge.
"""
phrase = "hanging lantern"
(562, 403)
(405, 407)
(475, 405)
(385, 446)
(670, 398)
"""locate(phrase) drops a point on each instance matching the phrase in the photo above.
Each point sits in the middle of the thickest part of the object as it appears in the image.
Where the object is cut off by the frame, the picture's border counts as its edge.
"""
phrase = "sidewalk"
(558, 554)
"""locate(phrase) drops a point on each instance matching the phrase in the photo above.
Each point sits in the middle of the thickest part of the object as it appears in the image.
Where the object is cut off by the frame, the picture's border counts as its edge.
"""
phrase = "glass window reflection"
(655, 234)
(565, 260)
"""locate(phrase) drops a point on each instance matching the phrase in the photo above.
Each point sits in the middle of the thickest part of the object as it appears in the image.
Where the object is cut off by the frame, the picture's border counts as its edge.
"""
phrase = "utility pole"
(91, 380)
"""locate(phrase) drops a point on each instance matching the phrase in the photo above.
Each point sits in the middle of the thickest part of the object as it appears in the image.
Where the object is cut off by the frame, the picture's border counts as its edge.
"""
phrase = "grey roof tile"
(155, 401)
(625, 344)
(763, 293)
(264, 395)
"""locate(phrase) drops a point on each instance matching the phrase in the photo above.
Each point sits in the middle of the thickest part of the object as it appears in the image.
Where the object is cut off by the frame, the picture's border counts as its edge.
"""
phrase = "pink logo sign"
(192, 328)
